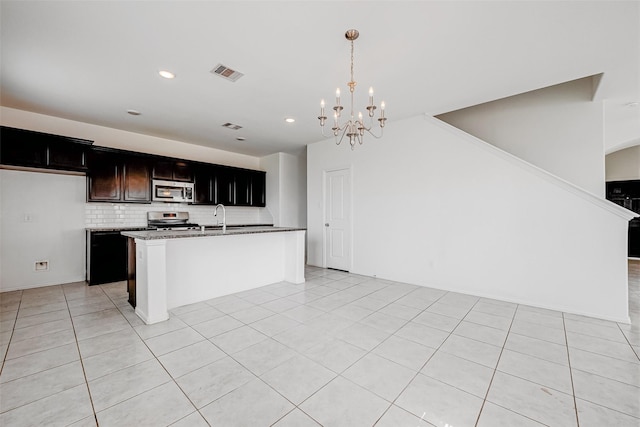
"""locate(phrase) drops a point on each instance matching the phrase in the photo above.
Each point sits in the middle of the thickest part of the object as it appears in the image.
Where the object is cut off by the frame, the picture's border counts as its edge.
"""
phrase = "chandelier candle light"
(352, 128)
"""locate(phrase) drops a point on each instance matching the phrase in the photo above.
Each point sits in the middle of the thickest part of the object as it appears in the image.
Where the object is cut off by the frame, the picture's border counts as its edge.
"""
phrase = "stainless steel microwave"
(172, 191)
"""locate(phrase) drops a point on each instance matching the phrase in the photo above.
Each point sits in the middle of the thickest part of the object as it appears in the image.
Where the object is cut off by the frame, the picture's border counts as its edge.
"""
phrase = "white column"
(151, 280)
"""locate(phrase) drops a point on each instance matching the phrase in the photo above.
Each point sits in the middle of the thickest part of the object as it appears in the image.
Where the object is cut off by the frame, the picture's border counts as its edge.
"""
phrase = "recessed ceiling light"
(289, 119)
(134, 112)
(166, 74)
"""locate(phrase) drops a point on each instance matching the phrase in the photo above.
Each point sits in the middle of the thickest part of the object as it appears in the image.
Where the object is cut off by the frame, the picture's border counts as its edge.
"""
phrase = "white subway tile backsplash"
(107, 215)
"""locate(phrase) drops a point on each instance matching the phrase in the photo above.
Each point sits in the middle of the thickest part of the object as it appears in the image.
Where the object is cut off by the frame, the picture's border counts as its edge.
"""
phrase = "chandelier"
(354, 128)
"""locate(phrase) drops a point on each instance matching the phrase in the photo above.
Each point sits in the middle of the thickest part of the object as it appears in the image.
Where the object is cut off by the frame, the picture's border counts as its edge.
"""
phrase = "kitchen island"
(174, 268)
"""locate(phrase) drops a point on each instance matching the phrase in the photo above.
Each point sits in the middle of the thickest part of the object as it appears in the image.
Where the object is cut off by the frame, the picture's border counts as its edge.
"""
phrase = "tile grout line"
(573, 389)
(628, 342)
(6, 353)
(486, 395)
(84, 373)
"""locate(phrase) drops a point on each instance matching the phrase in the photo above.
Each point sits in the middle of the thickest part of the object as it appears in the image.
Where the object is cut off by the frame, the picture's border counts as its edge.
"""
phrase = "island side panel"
(202, 268)
(294, 257)
(151, 281)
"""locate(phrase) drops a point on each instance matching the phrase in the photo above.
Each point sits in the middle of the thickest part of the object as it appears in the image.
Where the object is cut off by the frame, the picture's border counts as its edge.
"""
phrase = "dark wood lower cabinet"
(106, 257)
(131, 270)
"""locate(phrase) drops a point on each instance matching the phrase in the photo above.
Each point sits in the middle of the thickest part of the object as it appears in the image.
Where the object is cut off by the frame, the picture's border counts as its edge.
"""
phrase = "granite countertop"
(211, 231)
(144, 227)
(141, 227)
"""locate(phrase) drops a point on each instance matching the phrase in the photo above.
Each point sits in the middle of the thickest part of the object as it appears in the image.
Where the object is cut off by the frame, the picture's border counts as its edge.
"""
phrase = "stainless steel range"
(170, 221)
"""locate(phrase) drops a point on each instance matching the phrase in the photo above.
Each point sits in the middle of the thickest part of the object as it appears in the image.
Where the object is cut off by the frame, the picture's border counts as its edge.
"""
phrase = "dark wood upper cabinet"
(163, 169)
(136, 179)
(204, 185)
(258, 188)
(182, 171)
(118, 177)
(239, 187)
(24, 148)
(224, 188)
(67, 156)
(172, 170)
(126, 176)
(22, 152)
(104, 177)
(242, 180)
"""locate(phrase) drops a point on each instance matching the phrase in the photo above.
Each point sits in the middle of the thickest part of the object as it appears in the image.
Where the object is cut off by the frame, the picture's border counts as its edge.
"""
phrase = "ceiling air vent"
(226, 72)
(231, 126)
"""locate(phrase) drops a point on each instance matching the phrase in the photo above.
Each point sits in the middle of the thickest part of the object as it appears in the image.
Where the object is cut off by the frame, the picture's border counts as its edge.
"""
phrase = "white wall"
(293, 196)
(436, 207)
(623, 165)
(115, 138)
(558, 128)
(42, 219)
(286, 188)
(271, 164)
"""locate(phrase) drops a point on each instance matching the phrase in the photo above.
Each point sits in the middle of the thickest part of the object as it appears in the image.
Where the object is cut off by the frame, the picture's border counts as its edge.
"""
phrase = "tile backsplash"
(107, 215)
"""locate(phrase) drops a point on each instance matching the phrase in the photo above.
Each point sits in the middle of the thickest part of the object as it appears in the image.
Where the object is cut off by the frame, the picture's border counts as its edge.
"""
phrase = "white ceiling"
(92, 61)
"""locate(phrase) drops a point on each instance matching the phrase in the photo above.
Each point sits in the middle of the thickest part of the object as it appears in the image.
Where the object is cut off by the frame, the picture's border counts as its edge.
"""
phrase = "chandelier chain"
(352, 81)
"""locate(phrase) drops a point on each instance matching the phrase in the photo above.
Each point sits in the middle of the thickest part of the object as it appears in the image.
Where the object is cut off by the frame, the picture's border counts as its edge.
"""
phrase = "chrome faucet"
(224, 216)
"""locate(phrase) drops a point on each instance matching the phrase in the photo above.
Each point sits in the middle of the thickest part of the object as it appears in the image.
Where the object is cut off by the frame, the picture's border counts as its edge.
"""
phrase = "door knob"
(326, 224)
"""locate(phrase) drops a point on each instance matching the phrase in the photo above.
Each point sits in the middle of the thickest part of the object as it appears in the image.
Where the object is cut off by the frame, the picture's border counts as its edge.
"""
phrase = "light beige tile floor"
(339, 350)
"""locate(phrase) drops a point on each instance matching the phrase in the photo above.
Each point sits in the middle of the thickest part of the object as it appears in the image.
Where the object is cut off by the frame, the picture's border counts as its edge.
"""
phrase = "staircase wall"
(558, 128)
(434, 206)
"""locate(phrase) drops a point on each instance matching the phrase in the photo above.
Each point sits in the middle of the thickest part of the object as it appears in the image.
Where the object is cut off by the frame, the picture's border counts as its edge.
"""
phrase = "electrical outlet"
(42, 265)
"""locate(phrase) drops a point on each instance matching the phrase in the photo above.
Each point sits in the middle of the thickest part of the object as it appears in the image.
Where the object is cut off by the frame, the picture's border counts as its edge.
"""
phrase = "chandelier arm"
(344, 131)
(368, 129)
(374, 135)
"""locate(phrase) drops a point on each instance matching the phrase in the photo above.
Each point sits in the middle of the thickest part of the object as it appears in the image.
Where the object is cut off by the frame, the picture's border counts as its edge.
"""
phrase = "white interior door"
(337, 208)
